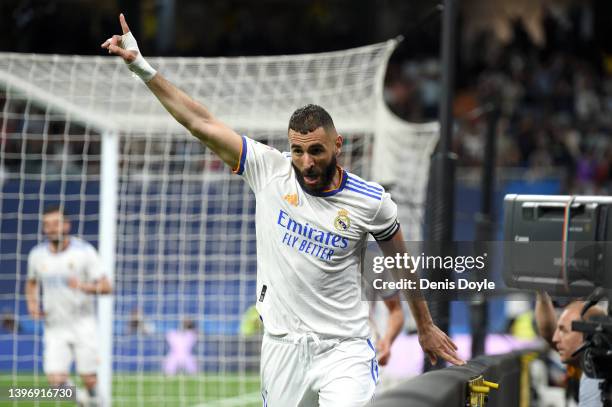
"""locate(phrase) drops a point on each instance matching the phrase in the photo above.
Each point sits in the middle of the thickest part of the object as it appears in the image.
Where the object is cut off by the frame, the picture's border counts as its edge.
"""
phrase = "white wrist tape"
(139, 66)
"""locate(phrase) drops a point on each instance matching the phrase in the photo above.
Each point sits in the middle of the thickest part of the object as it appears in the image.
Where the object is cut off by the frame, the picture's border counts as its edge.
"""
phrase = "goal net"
(173, 226)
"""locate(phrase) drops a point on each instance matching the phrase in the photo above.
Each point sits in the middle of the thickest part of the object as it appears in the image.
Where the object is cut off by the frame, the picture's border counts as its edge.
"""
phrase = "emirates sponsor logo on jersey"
(308, 239)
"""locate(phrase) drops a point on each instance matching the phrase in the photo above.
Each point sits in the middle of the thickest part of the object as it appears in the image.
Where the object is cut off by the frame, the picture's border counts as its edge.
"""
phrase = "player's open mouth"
(311, 180)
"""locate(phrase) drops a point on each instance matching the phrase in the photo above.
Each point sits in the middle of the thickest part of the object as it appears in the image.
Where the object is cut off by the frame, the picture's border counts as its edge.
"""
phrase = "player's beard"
(326, 177)
(57, 241)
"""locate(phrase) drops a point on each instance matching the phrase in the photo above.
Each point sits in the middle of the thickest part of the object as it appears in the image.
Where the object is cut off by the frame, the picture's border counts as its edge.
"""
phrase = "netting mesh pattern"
(247, 93)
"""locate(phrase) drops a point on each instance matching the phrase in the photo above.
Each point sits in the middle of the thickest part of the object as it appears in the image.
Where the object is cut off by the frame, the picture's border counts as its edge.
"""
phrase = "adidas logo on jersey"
(292, 199)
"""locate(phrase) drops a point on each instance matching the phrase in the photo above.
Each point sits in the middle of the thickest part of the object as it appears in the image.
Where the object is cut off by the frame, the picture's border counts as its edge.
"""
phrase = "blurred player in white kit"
(68, 268)
(312, 221)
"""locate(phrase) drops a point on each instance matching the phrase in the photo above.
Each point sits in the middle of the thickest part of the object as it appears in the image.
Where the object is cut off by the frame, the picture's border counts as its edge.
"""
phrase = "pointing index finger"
(124, 25)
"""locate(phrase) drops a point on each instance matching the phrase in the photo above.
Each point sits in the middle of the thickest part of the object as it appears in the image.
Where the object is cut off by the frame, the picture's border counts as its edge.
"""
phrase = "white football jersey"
(62, 305)
(309, 247)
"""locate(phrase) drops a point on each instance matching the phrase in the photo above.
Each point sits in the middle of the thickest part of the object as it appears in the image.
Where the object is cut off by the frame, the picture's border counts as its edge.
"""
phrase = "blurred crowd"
(554, 101)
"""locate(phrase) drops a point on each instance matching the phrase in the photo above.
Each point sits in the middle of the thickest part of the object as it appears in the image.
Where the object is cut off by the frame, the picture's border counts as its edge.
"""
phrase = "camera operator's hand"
(545, 316)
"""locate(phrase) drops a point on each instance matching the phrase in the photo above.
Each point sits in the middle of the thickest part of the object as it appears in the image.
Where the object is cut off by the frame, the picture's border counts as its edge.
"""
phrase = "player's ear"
(339, 141)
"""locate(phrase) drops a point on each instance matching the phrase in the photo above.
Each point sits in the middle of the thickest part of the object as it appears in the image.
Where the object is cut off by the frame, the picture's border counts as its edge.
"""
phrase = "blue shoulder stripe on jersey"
(369, 189)
(358, 181)
(243, 152)
(363, 188)
(359, 191)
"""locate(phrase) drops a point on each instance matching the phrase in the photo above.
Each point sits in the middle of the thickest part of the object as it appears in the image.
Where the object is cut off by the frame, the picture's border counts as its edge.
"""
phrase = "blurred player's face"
(55, 227)
(567, 341)
(314, 158)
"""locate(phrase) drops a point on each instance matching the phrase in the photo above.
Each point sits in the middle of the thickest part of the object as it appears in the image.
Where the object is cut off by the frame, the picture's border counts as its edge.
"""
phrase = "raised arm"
(434, 342)
(196, 118)
(545, 316)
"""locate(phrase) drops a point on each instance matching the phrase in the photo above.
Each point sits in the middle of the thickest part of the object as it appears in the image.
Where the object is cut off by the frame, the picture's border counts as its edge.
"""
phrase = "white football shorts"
(64, 344)
(306, 370)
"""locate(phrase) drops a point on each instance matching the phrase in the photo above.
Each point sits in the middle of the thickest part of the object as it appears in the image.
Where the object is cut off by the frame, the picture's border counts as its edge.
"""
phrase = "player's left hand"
(436, 343)
(383, 349)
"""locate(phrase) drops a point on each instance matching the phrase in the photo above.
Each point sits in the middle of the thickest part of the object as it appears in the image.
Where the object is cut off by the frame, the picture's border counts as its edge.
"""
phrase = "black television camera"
(563, 245)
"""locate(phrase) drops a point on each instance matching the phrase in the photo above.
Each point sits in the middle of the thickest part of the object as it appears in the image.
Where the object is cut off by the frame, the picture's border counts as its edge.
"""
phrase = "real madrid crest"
(342, 222)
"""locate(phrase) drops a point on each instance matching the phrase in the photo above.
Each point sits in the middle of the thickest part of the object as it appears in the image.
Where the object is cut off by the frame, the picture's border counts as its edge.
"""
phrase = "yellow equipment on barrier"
(526, 360)
(478, 391)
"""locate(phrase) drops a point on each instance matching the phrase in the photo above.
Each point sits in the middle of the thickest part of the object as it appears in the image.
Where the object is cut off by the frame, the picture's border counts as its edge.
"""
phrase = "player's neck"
(335, 182)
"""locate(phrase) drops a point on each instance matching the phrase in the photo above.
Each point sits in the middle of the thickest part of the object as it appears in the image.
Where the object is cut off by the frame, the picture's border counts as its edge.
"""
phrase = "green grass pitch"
(201, 390)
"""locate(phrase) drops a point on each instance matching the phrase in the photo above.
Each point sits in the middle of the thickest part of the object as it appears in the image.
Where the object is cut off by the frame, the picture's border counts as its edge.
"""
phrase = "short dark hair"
(52, 208)
(309, 118)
